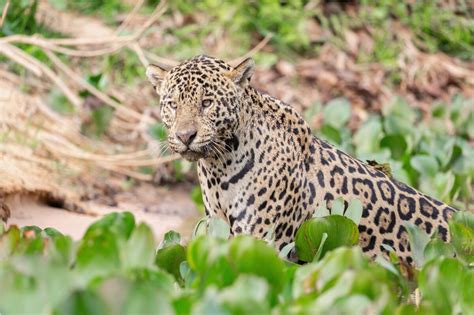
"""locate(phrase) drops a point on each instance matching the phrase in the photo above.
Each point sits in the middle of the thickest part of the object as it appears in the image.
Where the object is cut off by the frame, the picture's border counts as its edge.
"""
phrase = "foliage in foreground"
(116, 269)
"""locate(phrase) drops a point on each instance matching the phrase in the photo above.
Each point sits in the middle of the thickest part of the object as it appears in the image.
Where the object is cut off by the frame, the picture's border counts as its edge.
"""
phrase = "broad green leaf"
(169, 258)
(425, 165)
(437, 248)
(367, 138)
(139, 250)
(207, 257)
(186, 274)
(251, 256)
(98, 255)
(218, 228)
(20, 291)
(337, 112)
(338, 206)
(398, 126)
(82, 302)
(196, 196)
(354, 211)
(442, 282)
(184, 303)
(341, 231)
(387, 265)
(331, 134)
(201, 227)
(144, 298)
(209, 304)
(322, 211)
(52, 232)
(396, 143)
(170, 238)
(121, 224)
(461, 228)
(247, 295)
(61, 248)
(418, 240)
(9, 241)
(401, 109)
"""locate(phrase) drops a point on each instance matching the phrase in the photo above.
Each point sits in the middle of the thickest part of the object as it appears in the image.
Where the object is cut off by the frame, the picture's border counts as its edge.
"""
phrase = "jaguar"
(260, 166)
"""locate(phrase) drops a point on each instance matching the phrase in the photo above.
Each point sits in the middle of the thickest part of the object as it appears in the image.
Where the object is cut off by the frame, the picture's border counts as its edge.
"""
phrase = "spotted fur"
(259, 165)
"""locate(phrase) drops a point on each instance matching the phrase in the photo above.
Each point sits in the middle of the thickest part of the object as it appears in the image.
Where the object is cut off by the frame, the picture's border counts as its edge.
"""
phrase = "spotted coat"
(259, 165)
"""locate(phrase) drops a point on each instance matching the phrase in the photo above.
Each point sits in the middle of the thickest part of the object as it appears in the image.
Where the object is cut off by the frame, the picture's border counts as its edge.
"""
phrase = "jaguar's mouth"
(191, 155)
(192, 152)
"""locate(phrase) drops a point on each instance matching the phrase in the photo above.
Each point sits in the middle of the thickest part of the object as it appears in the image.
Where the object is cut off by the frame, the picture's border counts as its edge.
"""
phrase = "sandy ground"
(162, 208)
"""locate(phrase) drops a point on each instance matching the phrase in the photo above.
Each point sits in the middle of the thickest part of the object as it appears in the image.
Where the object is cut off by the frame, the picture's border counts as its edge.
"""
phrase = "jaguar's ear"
(155, 74)
(243, 72)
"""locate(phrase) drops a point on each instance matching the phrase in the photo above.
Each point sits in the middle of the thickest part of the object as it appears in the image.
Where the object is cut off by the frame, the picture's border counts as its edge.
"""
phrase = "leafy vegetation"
(117, 269)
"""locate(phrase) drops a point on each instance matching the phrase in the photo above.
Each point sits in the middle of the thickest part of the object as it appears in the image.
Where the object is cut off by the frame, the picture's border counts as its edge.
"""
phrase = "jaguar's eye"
(206, 103)
(172, 105)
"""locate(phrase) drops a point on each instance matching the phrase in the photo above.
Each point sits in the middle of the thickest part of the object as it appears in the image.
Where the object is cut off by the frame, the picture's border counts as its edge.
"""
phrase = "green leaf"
(144, 298)
(367, 138)
(398, 126)
(169, 258)
(218, 228)
(98, 255)
(82, 302)
(437, 248)
(196, 196)
(252, 256)
(207, 257)
(442, 282)
(425, 165)
(461, 228)
(9, 242)
(247, 295)
(138, 252)
(200, 228)
(341, 231)
(399, 108)
(331, 134)
(337, 112)
(354, 211)
(121, 224)
(396, 143)
(418, 240)
(170, 238)
(322, 211)
(338, 206)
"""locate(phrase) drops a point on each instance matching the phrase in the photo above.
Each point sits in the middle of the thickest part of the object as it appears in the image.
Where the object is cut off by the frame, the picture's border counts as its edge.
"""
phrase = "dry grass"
(44, 153)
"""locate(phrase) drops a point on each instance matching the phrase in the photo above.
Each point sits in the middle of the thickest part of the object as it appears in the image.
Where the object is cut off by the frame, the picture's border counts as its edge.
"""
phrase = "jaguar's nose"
(186, 136)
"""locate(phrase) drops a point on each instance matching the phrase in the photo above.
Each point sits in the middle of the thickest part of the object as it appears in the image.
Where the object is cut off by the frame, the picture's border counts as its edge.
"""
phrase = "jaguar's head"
(200, 103)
